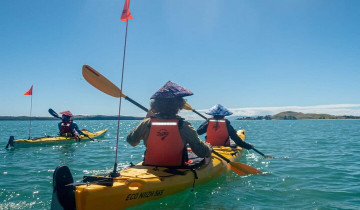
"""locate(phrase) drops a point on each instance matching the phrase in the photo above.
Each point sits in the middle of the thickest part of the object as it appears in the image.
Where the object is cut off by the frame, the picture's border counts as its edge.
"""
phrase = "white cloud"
(333, 109)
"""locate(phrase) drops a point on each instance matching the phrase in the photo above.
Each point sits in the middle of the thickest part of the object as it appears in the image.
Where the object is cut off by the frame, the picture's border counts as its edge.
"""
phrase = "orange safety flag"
(29, 92)
(126, 12)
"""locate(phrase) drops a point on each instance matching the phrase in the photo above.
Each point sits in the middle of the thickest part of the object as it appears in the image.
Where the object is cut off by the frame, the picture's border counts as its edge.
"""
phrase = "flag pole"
(115, 173)
(30, 118)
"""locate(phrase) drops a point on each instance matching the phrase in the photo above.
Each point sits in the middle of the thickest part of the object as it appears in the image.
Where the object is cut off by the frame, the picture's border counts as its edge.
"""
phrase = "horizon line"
(332, 109)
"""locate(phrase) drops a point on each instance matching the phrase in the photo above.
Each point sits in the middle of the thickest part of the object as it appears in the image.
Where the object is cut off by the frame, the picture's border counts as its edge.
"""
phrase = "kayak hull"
(134, 191)
(139, 184)
(56, 139)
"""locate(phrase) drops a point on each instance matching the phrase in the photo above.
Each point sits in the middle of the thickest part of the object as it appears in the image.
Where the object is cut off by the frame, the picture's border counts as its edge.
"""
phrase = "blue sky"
(244, 54)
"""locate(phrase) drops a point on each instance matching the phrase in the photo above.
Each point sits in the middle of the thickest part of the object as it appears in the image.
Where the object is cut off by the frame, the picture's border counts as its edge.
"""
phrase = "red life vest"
(164, 145)
(217, 133)
(66, 127)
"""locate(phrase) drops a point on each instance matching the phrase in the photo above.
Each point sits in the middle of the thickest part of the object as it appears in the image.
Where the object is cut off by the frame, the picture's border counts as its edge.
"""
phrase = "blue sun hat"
(171, 90)
(218, 110)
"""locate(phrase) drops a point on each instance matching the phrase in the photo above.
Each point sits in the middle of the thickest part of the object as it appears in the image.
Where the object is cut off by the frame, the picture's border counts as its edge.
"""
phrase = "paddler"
(165, 134)
(67, 127)
(219, 130)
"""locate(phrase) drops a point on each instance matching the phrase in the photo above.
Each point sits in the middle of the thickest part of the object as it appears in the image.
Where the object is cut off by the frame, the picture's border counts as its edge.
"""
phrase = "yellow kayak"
(137, 184)
(54, 139)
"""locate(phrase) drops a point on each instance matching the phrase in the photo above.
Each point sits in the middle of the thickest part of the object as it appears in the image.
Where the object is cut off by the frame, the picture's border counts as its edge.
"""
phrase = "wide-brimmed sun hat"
(67, 113)
(219, 110)
(171, 90)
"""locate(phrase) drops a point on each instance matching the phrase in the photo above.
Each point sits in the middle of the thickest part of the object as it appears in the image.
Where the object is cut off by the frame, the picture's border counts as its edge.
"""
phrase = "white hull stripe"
(164, 123)
(217, 120)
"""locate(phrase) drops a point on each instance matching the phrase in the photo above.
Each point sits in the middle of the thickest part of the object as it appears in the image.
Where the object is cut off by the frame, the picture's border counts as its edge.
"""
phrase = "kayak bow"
(54, 139)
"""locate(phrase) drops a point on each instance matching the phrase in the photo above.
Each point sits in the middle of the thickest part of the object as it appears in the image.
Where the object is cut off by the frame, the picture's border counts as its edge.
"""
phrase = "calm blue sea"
(317, 166)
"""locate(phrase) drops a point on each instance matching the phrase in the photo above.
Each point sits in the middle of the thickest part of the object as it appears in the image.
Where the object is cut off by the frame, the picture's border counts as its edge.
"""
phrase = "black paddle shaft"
(136, 103)
(258, 152)
(199, 114)
(222, 157)
(146, 110)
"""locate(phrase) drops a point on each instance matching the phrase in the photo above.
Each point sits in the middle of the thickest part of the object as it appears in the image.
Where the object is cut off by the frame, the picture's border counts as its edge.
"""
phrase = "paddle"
(188, 107)
(106, 86)
(10, 142)
(239, 168)
(54, 114)
(262, 154)
(103, 84)
(86, 134)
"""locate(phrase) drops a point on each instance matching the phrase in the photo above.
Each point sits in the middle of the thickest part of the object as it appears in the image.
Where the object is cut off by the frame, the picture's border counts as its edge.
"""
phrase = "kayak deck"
(134, 190)
(56, 139)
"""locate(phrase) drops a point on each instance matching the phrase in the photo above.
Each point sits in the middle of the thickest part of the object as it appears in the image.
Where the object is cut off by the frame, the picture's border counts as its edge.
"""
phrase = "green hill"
(290, 115)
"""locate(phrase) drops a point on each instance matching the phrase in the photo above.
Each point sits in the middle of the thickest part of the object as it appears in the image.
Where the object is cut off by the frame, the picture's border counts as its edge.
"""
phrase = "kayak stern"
(63, 189)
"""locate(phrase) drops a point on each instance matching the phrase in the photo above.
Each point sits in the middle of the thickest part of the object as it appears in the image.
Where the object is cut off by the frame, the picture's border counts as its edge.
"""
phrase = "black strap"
(227, 140)
(105, 181)
(195, 177)
(174, 171)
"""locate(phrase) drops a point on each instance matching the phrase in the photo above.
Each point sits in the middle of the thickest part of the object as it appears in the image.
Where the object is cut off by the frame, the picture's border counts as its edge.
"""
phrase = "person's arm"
(189, 135)
(139, 133)
(236, 138)
(203, 128)
(75, 127)
(59, 126)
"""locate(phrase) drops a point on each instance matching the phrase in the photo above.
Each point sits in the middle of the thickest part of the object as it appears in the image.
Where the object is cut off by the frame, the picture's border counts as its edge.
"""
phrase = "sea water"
(317, 166)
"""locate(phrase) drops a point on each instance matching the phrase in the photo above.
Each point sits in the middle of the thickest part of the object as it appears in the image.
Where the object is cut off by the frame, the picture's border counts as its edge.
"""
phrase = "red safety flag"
(126, 12)
(29, 92)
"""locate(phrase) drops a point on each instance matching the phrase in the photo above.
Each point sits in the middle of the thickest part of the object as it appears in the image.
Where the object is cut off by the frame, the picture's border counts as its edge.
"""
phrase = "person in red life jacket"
(219, 130)
(67, 127)
(165, 134)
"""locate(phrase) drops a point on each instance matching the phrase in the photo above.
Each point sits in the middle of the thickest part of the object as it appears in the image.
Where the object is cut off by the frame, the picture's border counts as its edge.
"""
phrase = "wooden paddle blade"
(238, 171)
(269, 156)
(100, 82)
(243, 169)
(242, 134)
(188, 107)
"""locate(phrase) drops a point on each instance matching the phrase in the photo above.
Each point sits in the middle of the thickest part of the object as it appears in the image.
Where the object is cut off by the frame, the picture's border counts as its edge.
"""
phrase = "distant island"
(78, 117)
(290, 115)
